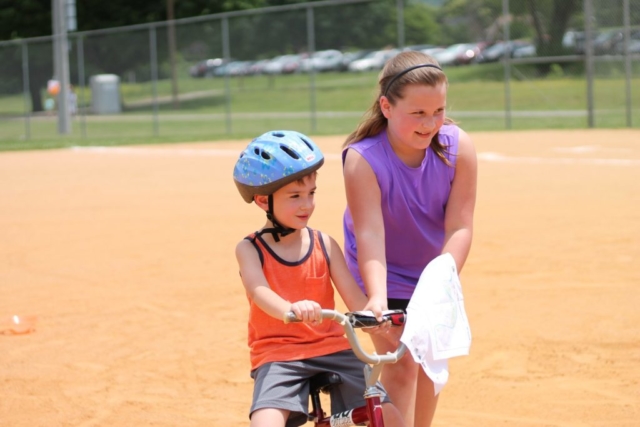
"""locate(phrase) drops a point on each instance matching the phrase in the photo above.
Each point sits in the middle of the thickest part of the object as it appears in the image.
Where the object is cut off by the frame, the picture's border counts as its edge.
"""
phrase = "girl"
(410, 178)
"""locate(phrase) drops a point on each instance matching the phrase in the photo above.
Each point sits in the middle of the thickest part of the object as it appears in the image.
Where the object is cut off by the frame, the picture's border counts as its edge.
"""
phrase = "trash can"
(105, 94)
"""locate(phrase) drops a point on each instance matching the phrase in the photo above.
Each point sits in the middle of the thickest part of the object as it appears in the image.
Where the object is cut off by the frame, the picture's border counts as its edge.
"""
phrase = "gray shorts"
(285, 385)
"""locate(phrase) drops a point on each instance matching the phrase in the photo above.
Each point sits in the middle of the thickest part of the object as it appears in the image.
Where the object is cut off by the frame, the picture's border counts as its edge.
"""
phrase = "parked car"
(323, 60)
(373, 61)
(234, 69)
(418, 47)
(634, 44)
(458, 54)
(432, 51)
(471, 53)
(349, 57)
(205, 68)
(524, 51)
(496, 51)
(605, 42)
(283, 64)
(258, 66)
(574, 41)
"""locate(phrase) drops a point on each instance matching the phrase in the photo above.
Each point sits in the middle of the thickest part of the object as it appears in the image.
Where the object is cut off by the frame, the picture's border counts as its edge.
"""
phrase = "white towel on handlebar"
(437, 327)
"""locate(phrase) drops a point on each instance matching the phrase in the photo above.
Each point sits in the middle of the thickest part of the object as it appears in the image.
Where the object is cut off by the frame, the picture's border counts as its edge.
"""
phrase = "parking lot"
(607, 42)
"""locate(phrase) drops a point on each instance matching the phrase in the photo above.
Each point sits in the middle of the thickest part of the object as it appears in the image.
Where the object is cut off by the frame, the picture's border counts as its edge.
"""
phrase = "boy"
(288, 267)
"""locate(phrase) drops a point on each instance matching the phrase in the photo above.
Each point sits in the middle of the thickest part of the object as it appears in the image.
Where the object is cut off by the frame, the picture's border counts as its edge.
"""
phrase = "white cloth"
(437, 327)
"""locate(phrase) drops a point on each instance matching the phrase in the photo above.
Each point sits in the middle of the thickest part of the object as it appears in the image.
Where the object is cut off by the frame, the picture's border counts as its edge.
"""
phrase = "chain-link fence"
(313, 67)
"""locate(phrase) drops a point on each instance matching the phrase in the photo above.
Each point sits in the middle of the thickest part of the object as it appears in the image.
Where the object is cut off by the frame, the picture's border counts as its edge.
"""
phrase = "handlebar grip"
(361, 319)
(290, 317)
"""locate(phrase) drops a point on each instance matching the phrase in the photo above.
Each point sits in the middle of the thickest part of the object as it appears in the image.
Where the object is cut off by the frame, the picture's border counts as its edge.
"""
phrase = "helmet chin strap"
(277, 230)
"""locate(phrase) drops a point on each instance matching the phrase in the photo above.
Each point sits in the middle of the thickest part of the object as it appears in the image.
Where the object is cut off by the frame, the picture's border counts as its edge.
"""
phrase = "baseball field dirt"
(126, 257)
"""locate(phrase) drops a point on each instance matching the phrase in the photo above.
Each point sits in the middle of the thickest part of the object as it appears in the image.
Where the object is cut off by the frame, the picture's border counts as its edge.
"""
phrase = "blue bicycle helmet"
(273, 160)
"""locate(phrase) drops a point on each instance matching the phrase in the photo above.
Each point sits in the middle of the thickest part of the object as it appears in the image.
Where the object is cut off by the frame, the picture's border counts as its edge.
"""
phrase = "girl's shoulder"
(369, 142)
(450, 131)
(449, 138)
(366, 147)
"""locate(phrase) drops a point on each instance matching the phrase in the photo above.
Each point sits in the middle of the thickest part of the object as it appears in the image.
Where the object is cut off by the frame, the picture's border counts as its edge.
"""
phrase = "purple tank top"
(413, 206)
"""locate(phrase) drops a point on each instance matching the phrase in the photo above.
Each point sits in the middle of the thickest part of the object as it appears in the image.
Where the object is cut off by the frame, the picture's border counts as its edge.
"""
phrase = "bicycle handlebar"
(349, 321)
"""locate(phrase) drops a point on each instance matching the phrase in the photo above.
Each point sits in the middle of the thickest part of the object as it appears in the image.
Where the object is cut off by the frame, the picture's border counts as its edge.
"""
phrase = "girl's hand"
(377, 306)
(382, 329)
(307, 311)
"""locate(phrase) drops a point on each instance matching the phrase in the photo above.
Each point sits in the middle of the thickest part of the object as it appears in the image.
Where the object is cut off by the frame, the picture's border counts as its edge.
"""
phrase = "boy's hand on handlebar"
(307, 311)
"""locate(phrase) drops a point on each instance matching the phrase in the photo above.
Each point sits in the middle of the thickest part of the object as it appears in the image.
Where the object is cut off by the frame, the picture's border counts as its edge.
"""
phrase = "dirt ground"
(125, 255)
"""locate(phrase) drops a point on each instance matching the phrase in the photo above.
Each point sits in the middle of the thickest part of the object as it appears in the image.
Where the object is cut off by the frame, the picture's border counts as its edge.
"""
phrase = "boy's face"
(294, 203)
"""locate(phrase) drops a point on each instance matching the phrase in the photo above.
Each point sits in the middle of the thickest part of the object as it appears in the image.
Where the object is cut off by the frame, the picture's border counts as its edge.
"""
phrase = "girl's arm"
(364, 201)
(341, 277)
(458, 220)
(258, 290)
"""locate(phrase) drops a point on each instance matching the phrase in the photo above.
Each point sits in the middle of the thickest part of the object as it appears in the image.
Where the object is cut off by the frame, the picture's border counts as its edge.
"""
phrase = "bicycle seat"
(324, 382)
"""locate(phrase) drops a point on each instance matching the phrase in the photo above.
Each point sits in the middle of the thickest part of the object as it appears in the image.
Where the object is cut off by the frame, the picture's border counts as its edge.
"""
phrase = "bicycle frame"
(371, 413)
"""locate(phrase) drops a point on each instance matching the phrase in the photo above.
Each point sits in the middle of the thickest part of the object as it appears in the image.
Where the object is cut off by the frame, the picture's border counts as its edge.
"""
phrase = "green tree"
(550, 20)
(420, 24)
(23, 19)
(465, 21)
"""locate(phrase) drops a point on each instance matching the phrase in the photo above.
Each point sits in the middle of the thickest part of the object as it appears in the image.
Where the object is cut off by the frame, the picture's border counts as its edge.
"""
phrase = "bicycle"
(369, 414)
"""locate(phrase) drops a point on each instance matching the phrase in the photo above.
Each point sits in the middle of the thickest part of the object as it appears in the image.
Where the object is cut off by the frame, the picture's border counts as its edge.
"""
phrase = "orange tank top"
(270, 339)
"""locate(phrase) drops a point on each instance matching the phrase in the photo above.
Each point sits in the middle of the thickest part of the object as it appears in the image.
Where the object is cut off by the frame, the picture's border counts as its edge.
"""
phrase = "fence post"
(311, 47)
(171, 34)
(506, 18)
(81, 80)
(154, 76)
(61, 52)
(588, 50)
(226, 53)
(627, 58)
(25, 89)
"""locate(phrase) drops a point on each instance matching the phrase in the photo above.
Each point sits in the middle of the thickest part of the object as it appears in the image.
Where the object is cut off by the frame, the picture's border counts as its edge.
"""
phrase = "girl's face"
(294, 203)
(414, 120)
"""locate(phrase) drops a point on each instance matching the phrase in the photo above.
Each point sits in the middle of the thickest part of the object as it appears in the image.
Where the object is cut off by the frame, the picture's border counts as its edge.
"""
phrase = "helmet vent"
(278, 134)
(307, 143)
(290, 152)
(262, 154)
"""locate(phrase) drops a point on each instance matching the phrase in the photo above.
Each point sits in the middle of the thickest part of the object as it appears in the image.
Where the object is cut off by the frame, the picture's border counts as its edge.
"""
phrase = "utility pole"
(588, 58)
(61, 63)
(171, 32)
(400, 24)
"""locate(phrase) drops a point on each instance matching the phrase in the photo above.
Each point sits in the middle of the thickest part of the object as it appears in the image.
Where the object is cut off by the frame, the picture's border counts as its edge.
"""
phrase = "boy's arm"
(344, 282)
(258, 290)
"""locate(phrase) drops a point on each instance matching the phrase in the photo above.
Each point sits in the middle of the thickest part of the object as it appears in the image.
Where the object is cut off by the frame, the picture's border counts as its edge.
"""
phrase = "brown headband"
(405, 71)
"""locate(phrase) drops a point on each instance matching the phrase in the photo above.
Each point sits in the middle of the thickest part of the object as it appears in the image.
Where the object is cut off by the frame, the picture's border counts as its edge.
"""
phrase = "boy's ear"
(262, 202)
